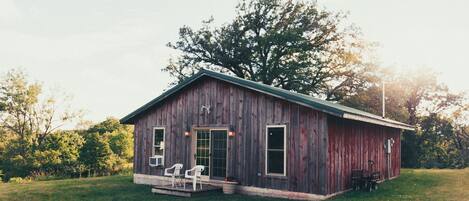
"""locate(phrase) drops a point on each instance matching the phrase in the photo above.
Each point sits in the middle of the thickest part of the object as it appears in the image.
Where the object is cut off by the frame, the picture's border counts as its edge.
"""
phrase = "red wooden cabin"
(274, 142)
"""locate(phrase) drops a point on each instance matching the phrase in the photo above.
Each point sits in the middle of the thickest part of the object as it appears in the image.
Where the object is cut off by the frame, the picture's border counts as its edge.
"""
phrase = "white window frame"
(284, 149)
(153, 142)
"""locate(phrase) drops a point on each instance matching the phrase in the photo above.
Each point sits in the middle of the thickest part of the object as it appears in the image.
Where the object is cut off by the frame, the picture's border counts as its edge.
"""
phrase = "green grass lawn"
(420, 184)
(412, 185)
(112, 188)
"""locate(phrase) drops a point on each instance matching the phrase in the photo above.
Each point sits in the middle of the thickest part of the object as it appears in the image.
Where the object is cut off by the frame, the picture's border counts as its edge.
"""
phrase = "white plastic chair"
(198, 169)
(176, 172)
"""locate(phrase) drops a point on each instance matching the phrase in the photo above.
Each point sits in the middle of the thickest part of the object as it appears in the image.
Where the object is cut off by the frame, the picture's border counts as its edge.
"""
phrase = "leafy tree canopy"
(410, 94)
(31, 144)
(26, 112)
(95, 151)
(416, 97)
(293, 45)
(109, 125)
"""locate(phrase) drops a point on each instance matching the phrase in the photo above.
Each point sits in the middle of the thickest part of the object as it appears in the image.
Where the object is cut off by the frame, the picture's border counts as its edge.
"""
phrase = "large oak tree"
(289, 44)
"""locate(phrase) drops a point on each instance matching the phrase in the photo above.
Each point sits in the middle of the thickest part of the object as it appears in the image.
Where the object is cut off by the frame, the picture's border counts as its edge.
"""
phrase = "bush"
(45, 176)
(127, 169)
(19, 180)
(16, 162)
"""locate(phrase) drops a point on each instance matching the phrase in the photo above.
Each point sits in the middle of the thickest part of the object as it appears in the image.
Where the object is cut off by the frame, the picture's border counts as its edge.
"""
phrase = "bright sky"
(109, 54)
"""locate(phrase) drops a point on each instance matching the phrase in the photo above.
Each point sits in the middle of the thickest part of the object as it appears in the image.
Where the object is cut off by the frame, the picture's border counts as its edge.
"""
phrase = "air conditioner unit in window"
(156, 161)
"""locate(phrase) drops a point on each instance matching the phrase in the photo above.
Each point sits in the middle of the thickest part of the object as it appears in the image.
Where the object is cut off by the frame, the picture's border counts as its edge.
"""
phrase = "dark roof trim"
(301, 99)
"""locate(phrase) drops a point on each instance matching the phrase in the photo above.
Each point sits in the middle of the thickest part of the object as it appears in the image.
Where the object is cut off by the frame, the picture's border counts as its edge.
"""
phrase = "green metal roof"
(305, 100)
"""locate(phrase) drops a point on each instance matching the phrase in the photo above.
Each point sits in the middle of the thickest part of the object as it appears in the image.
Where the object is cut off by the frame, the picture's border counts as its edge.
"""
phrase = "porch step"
(188, 192)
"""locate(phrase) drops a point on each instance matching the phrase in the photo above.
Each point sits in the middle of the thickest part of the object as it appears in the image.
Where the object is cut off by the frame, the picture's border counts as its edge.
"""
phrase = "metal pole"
(390, 166)
(384, 101)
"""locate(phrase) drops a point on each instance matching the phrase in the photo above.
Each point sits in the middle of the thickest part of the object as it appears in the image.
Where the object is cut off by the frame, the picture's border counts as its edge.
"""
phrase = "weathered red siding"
(352, 144)
(317, 162)
(248, 112)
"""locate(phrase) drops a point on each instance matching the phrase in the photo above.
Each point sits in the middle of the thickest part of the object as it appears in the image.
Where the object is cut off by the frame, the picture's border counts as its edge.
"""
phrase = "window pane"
(275, 162)
(275, 138)
(158, 137)
(158, 151)
(202, 150)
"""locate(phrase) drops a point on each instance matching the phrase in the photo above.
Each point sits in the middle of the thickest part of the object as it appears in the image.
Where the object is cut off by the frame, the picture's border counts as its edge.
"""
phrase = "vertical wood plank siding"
(352, 144)
(248, 112)
(321, 150)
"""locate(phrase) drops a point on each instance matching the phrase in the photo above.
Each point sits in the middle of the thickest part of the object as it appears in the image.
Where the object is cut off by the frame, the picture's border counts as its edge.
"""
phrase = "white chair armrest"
(166, 171)
(187, 173)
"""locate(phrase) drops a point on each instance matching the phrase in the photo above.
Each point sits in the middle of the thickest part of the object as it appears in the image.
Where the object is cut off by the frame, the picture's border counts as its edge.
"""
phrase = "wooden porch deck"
(188, 192)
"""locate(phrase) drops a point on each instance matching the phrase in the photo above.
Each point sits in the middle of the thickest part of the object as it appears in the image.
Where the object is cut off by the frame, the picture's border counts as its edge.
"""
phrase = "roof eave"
(378, 122)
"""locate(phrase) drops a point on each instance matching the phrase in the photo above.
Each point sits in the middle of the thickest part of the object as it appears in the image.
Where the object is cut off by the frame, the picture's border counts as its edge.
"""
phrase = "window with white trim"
(158, 141)
(275, 150)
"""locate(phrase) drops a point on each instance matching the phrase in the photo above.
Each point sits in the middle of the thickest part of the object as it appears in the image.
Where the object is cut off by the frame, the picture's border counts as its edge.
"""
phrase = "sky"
(108, 55)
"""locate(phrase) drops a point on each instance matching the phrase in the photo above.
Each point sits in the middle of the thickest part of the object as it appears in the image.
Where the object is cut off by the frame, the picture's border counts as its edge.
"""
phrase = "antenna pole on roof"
(384, 101)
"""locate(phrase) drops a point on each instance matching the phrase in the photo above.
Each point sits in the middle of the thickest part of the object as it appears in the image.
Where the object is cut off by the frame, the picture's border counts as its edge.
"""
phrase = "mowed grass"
(418, 184)
(411, 185)
(112, 188)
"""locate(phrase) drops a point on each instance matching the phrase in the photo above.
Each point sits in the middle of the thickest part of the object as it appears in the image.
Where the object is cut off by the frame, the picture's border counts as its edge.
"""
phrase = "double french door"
(211, 152)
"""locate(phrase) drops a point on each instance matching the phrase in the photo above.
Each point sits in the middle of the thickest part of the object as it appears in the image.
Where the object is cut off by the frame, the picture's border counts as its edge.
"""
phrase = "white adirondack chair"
(175, 173)
(198, 169)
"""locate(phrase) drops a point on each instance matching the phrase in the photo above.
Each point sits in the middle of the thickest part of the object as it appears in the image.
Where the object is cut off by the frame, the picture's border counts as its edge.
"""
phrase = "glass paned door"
(202, 156)
(218, 154)
(211, 151)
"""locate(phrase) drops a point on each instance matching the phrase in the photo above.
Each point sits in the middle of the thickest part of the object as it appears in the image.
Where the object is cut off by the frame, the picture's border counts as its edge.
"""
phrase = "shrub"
(45, 176)
(19, 180)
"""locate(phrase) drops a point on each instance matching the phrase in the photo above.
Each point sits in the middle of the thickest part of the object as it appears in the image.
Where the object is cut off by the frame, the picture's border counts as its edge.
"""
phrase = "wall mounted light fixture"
(231, 132)
(187, 133)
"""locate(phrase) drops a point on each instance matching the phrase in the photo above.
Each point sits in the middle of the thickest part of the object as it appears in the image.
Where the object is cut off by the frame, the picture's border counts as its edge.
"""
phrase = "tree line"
(299, 46)
(33, 145)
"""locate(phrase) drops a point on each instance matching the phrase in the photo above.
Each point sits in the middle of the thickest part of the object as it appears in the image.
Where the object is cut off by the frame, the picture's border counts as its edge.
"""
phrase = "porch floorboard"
(188, 192)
